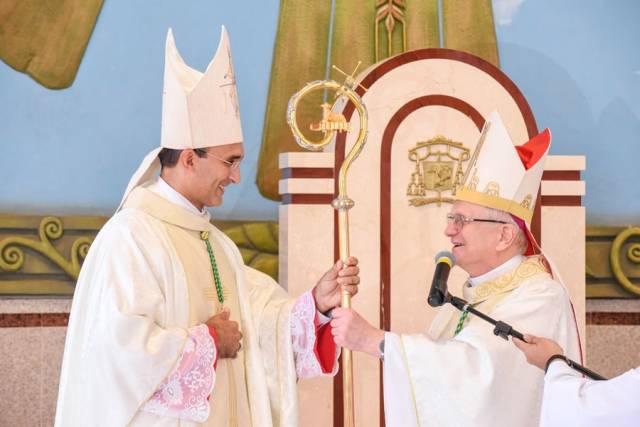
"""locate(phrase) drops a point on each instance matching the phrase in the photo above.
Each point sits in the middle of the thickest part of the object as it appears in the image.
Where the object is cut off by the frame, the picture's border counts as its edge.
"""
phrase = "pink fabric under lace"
(185, 392)
(304, 336)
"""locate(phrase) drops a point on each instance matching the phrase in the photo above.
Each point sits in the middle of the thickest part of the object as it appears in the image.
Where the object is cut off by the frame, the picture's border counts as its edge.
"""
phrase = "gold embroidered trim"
(405, 360)
(469, 195)
(532, 266)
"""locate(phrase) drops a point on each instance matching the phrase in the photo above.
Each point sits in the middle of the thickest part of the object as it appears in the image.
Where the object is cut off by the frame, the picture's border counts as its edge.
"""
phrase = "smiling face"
(477, 246)
(202, 175)
(211, 174)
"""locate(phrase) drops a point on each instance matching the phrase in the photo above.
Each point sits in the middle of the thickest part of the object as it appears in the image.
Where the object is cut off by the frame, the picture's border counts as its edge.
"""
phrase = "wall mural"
(311, 37)
(43, 255)
(46, 39)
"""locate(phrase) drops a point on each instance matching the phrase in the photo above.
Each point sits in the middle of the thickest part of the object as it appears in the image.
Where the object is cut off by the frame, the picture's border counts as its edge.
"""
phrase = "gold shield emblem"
(439, 164)
(438, 176)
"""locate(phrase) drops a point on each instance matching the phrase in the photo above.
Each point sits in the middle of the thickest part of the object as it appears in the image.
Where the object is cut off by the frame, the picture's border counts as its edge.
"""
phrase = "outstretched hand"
(327, 292)
(228, 334)
(352, 331)
(538, 350)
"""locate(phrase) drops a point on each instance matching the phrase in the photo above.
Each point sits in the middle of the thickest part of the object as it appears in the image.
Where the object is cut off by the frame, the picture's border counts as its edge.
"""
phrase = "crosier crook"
(342, 203)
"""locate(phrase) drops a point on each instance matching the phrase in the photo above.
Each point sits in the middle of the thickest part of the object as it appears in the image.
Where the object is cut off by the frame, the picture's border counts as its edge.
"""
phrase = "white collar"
(498, 271)
(160, 187)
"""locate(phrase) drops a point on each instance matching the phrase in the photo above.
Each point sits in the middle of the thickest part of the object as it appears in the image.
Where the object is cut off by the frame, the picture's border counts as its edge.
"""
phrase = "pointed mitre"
(199, 110)
(504, 176)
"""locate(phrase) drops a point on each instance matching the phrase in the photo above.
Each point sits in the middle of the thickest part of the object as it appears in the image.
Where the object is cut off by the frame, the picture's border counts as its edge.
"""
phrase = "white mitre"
(199, 110)
(505, 176)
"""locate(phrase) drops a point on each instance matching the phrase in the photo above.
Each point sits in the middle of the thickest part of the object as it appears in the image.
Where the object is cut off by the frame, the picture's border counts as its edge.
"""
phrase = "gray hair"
(521, 242)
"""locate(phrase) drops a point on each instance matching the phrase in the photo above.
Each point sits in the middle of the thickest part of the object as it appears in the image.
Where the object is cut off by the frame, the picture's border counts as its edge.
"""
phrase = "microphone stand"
(503, 330)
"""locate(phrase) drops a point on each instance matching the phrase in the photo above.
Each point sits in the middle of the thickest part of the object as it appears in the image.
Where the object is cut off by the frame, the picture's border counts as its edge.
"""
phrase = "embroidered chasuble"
(229, 400)
(124, 340)
(474, 378)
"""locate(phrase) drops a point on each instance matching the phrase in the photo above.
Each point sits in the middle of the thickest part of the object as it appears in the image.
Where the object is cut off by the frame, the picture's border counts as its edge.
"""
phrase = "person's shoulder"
(538, 280)
(129, 223)
(258, 277)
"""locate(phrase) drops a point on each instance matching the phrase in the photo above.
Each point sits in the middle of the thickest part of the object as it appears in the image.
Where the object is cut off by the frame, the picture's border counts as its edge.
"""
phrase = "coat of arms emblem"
(438, 170)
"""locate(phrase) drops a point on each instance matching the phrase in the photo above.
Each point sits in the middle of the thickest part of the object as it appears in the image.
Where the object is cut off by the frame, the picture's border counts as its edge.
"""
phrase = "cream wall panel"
(563, 241)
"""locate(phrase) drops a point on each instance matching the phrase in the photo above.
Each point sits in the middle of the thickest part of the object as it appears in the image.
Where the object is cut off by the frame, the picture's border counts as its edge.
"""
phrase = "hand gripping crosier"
(330, 124)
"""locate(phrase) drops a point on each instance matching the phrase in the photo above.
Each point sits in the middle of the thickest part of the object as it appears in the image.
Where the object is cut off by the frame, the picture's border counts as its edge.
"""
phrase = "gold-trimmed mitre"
(199, 110)
(504, 176)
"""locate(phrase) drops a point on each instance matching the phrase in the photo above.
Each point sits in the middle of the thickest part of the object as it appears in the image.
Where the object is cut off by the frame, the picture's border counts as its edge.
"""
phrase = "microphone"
(444, 262)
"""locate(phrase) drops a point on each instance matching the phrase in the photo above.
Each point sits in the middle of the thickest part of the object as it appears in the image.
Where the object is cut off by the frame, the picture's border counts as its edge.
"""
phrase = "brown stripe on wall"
(338, 404)
(307, 199)
(492, 70)
(561, 176)
(287, 173)
(561, 201)
(30, 320)
(536, 221)
(612, 318)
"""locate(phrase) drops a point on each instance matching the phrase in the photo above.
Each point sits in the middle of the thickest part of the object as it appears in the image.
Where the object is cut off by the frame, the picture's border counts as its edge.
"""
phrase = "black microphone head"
(445, 256)
(438, 294)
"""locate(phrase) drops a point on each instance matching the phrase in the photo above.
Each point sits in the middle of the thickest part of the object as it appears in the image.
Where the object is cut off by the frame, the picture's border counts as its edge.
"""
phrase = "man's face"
(475, 243)
(211, 174)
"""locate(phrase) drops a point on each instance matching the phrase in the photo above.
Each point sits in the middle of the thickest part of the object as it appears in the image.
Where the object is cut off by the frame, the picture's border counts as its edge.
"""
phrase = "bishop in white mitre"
(459, 373)
(168, 327)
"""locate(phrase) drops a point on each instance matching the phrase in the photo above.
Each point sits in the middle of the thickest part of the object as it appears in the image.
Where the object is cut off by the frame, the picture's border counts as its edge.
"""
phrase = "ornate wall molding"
(50, 228)
(42, 255)
(613, 262)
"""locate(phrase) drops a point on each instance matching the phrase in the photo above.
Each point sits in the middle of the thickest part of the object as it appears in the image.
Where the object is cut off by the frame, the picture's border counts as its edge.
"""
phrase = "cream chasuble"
(476, 378)
(145, 281)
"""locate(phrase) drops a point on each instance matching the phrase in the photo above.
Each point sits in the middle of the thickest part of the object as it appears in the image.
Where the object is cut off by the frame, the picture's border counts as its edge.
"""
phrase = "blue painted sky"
(73, 151)
(578, 65)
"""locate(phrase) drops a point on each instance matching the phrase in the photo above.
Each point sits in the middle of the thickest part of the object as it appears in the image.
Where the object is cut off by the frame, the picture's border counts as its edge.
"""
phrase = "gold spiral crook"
(330, 124)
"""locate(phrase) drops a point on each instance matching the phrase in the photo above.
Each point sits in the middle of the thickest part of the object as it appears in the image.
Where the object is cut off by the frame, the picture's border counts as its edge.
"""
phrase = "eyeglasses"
(459, 220)
(234, 164)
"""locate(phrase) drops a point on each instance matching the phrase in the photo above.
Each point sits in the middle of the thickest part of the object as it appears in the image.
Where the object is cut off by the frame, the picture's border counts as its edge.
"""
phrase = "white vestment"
(476, 378)
(571, 400)
(143, 284)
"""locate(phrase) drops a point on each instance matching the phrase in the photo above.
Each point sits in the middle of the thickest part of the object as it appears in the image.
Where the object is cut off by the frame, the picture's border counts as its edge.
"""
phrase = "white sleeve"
(470, 379)
(571, 399)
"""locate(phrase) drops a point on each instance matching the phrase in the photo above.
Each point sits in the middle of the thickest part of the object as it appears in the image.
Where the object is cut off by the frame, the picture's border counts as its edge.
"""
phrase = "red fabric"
(214, 336)
(575, 322)
(533, 150)
(532, 246)
(324, 347)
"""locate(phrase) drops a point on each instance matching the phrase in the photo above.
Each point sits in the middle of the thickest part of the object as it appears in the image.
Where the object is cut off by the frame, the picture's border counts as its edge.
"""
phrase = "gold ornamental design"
(628, 239)
(390, 14)
(532, 266)
(439, 164)
(12, 256)
(230, 86)
(492, 189)
(331, 121)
